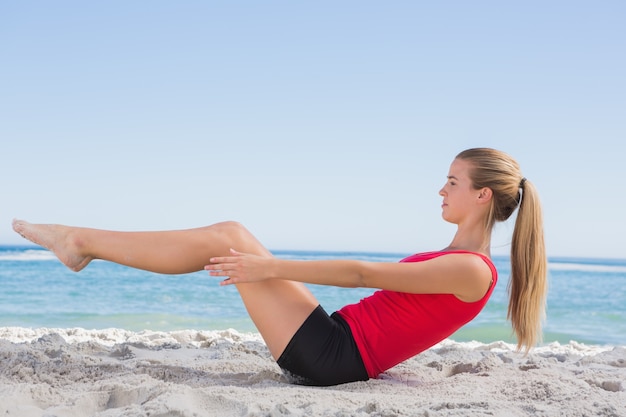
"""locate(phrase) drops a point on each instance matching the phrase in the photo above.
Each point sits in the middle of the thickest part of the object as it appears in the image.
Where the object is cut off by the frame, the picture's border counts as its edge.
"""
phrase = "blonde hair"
(528, 284)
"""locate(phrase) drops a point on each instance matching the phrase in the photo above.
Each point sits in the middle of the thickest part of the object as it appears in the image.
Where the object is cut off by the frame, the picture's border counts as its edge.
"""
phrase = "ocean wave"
(27, 255)
(114, 336)
(584, 267)
(200, 338)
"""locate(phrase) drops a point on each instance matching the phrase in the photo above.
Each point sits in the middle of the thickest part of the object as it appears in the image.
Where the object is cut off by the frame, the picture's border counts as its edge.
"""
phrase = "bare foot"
(56, 238)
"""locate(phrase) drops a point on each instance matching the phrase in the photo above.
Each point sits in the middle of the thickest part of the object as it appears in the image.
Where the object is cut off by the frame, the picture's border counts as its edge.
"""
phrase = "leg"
(277, 307)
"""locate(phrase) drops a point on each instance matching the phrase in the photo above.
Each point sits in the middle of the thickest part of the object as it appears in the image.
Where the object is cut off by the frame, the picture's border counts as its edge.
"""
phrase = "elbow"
(363, 276)
(360, 281)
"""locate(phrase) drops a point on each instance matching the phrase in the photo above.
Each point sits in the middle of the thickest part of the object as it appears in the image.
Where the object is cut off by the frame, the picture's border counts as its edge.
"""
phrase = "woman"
(422, 299)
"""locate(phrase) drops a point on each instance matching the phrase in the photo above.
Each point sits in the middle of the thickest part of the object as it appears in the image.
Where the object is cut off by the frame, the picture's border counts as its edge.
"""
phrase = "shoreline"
(115, 372)
(193, 337)
(475, 331)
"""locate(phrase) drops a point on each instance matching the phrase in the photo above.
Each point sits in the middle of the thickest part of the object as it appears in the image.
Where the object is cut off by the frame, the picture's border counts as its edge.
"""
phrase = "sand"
(77, 372)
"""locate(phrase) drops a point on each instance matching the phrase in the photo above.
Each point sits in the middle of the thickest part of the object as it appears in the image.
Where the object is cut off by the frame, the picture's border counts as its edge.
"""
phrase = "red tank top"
(390, 327)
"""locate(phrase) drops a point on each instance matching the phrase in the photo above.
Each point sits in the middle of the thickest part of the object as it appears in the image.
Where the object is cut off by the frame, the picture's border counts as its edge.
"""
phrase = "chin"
(448, 219)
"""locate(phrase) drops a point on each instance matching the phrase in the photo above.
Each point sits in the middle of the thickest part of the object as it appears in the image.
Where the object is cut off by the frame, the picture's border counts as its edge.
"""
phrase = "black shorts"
(322, 352)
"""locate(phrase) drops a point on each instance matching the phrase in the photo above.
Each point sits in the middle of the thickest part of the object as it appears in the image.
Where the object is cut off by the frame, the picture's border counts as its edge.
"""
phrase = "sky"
(326, 125)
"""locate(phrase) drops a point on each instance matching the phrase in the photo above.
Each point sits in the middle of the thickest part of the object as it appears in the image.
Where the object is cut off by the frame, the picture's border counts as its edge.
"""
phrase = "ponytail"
(528, 283)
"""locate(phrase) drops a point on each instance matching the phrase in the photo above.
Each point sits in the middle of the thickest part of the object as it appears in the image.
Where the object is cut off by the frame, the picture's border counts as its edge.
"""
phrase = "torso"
(390, 327)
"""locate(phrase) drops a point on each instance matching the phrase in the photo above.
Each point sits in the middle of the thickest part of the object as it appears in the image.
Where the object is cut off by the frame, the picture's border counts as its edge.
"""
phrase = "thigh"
(323, 352)
(277, 307)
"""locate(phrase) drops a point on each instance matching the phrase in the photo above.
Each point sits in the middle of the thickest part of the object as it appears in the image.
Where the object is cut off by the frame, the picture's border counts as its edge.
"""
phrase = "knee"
(239, 236)
(231, 227)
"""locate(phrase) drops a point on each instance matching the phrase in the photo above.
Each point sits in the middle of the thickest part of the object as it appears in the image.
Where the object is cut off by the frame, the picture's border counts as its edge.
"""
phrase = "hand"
(239, 268)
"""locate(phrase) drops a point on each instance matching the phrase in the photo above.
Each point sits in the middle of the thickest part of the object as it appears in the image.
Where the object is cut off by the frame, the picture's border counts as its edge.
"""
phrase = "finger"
(225, 267)
(227, 281)
(227, 259)
(220, 273)
(236, 253)
(222, 260)
(214, 267)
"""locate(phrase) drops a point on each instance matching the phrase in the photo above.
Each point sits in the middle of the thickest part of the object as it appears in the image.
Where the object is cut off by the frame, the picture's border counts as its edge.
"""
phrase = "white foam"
(571, 348)
(566, 266)
(113, 336)
(28, 255)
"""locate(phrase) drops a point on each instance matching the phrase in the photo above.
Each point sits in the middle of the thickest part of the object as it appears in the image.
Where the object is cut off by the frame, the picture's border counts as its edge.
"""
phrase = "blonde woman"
(421, 300)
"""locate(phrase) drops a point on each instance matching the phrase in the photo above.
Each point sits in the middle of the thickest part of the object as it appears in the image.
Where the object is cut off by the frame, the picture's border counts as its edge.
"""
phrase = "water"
(586, 301)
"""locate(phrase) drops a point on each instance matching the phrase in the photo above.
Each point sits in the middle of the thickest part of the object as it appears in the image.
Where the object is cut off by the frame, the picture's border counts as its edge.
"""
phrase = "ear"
(485, 195)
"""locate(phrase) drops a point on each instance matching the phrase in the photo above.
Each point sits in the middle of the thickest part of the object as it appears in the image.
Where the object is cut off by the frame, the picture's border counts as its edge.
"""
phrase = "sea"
(586, 299)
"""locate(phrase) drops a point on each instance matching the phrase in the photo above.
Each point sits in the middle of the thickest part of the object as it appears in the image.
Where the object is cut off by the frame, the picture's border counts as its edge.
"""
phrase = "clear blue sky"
(326, 125)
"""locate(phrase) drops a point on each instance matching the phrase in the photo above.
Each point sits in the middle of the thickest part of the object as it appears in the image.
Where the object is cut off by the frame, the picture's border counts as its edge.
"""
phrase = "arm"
(464, 275)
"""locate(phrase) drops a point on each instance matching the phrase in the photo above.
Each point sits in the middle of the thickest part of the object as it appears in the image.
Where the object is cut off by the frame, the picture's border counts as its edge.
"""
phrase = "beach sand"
(77, 372)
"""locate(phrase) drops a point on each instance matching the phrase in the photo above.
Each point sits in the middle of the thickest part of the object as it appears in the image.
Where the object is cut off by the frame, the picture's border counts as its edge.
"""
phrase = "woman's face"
(458, 193)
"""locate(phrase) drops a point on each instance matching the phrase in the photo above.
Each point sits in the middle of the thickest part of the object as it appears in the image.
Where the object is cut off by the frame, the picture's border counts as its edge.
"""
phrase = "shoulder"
(475, 272)
(466, 260)
(456, 261)
(463, 257)
(473, 260)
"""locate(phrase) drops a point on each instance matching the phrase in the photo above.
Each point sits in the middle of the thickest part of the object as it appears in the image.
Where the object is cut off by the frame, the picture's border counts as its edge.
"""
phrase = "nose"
(442, 192)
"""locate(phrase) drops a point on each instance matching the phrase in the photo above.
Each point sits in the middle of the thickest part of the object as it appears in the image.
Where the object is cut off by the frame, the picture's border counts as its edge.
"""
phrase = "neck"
(471, 239)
